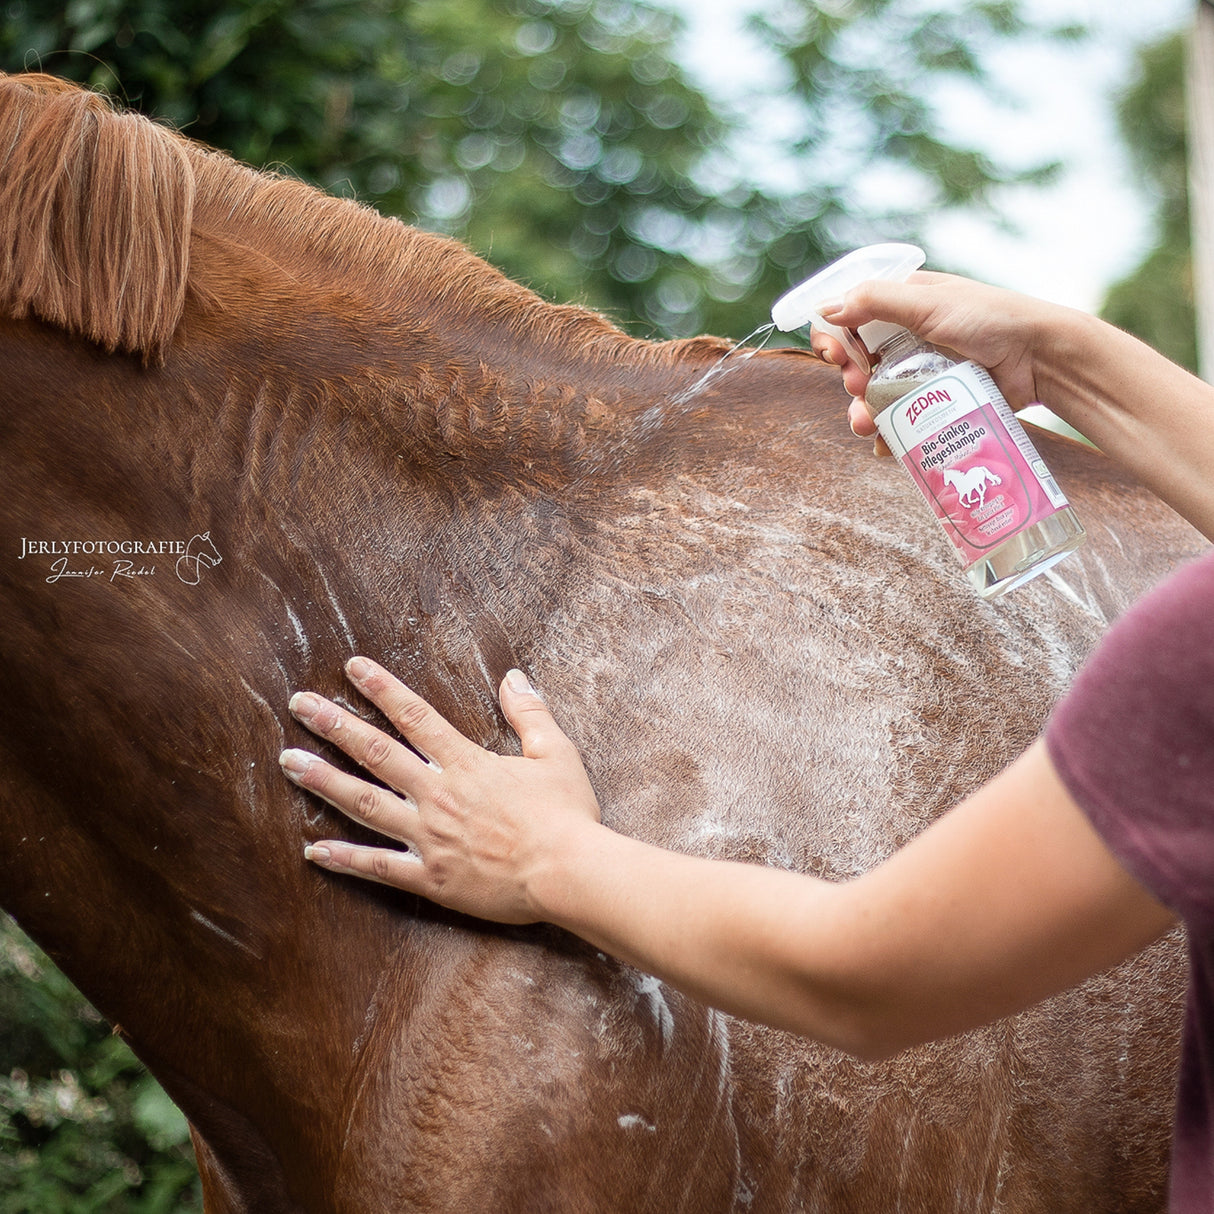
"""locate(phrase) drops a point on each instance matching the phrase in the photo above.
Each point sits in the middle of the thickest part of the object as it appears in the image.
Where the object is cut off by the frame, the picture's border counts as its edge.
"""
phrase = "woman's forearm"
(1143, 411)
(757, 942)
(1002, 902)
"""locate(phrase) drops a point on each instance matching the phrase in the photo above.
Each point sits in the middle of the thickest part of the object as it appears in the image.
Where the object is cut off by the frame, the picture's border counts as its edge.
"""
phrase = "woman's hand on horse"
(478, 826)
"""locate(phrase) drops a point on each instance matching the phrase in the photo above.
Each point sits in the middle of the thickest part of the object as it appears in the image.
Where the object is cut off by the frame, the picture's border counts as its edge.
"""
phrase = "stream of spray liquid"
(670, 406)
(733, 357)
(649, 422)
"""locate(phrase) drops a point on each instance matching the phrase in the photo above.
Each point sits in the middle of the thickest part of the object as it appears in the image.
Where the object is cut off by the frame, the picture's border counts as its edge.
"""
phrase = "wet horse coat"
(748, 625)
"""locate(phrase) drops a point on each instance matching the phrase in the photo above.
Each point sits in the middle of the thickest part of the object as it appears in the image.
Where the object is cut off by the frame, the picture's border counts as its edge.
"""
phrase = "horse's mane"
(97, 208)
(95, 214)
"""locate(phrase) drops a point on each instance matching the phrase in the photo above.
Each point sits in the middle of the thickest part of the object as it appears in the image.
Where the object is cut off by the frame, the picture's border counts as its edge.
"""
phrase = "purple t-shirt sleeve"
(1133, 741)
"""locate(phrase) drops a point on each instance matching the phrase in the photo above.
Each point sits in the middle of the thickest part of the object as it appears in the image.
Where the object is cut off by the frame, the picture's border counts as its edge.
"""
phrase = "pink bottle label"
(971, 459)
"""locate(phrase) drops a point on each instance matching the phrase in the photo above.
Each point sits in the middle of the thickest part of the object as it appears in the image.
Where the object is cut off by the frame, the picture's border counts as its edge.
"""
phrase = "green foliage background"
(562, 140)
(83, 1127)
(1155, 301)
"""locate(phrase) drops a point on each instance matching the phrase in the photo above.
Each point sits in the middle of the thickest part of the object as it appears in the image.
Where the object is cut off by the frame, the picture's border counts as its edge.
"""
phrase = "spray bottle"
(952, 430)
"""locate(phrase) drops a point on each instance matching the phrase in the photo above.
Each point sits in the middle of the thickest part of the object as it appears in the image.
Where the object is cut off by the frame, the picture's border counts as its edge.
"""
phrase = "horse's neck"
(157, 848)
(146, 732)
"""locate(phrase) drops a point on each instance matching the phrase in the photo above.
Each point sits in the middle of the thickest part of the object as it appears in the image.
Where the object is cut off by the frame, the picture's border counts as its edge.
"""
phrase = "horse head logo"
(199, 553)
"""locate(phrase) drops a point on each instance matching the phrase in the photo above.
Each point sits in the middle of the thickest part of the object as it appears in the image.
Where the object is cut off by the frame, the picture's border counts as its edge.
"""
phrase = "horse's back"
(780, 663)
(767, 654)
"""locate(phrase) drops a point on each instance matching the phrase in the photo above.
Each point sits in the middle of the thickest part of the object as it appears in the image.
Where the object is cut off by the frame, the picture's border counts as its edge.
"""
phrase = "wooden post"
(1200, 102)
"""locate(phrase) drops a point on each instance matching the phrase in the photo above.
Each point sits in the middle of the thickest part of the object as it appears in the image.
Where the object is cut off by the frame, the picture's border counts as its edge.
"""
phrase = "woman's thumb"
(529, 716)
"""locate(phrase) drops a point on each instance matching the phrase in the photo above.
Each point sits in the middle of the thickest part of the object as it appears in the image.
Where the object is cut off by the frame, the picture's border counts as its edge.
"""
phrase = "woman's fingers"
(855, 375)
(474, 821)
(538, 733)
(399, 869)
(437, 741)
(829, 349)
(371, 748)
(425, 729)
(860, 419)
(381, 810)
(863, 426)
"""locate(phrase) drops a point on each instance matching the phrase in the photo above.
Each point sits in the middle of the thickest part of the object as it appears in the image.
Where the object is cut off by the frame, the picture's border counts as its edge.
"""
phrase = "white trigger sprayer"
(950, 427)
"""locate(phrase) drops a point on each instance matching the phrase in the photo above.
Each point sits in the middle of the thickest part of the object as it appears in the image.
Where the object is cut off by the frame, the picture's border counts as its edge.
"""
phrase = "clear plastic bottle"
(952, 430)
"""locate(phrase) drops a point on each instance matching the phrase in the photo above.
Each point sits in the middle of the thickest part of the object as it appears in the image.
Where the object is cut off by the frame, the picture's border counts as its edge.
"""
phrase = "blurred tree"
(83, 1127)
(560, 138)
(557, 139)
(874, 82)
(1155, 300)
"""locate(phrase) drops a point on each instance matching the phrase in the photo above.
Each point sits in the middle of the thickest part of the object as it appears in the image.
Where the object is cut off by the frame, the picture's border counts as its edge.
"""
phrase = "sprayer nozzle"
(798, 308)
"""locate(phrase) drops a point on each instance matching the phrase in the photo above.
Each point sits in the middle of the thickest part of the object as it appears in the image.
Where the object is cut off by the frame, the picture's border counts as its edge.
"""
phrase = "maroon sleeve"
(1133, 741)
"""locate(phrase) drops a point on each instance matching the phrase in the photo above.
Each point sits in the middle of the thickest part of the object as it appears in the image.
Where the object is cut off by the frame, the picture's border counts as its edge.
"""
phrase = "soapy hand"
(996, 328)
(478, 827)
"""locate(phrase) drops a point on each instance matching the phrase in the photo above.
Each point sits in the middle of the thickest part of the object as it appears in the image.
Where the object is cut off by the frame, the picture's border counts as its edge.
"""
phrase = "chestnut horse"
(249, 430)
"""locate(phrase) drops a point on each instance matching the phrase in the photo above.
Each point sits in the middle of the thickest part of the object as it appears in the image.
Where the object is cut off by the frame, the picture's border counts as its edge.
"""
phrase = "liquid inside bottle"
(990, 490)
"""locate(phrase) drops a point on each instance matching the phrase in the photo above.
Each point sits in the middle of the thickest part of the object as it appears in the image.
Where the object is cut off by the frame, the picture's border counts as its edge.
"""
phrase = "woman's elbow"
(868, 1021)
(873, 1042)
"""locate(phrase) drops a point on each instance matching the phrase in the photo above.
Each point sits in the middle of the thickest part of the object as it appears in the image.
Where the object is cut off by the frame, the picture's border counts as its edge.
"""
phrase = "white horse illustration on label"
(971, 484)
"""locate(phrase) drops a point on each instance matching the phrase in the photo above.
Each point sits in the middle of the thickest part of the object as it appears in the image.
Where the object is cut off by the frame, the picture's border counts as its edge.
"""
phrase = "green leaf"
(162, 1123)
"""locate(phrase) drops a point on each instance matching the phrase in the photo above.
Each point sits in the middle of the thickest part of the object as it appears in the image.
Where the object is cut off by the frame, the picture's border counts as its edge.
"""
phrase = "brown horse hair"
(97, 210)
(95, 214)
